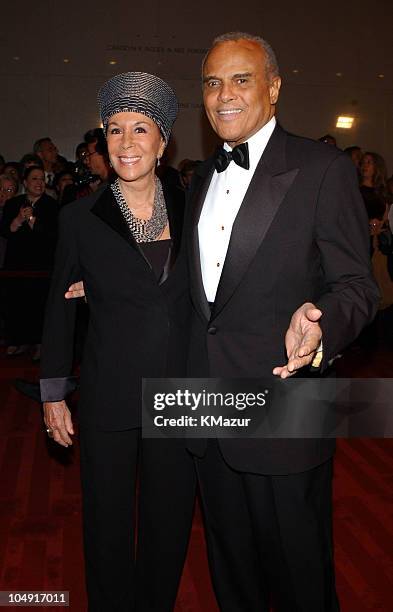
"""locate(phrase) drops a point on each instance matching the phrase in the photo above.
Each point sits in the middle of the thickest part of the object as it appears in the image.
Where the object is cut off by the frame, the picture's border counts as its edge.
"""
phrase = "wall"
(41, 95)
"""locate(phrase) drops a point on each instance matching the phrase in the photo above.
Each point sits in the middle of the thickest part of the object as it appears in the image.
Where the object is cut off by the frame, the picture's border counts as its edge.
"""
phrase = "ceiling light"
(16, 58)
(66, 60)
(339, 74)
(112, 62)
(345, 122)
(295, 71)
(381, 76)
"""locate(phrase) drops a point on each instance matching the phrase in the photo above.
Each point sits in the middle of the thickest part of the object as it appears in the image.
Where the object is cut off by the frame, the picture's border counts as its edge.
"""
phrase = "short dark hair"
(60, 175)
(352, 149)
(79, 147)
(38, 143)
(97, 136)
(29, 170)
(31, 157)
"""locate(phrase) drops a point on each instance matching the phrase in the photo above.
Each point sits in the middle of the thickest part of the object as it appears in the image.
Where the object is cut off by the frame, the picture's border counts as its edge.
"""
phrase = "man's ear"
(274, 89)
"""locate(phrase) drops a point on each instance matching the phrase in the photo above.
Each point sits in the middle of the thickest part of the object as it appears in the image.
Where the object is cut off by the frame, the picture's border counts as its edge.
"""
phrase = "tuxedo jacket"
(301, 235)
(137, 325)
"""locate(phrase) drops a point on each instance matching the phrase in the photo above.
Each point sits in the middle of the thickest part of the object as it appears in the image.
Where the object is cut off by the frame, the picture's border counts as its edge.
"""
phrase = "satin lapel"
(267, 190)
(106, 209)
(197, 289)
(175, 211)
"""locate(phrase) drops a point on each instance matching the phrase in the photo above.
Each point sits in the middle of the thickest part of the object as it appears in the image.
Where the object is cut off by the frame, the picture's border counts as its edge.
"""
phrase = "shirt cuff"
(57, 389)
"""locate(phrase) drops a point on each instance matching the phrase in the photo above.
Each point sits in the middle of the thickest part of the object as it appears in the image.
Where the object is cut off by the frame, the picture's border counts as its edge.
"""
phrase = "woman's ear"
(161, 148)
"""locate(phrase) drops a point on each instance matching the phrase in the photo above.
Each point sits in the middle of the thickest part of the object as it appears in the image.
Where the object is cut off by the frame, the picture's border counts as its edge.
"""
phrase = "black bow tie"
(238, 154)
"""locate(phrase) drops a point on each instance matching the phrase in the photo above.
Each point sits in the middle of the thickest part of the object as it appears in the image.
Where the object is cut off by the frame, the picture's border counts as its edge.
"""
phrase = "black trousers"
(269, 537)
(118, 580)
(24, 309)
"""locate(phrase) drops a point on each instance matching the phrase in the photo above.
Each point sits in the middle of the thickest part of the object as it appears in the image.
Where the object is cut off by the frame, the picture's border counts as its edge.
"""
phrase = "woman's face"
(134, 144)
(367, 167)
(35, 183)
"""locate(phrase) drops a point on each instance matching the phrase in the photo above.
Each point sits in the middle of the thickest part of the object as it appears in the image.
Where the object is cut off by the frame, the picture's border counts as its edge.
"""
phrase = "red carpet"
(40, 528)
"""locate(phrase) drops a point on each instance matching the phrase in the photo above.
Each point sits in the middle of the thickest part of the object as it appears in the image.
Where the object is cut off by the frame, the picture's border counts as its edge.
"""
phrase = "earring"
(158, 161)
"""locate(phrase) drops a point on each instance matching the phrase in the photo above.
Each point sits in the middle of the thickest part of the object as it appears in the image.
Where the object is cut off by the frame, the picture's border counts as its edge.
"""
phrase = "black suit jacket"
(301, 235)
(30, 249)
(137, 326)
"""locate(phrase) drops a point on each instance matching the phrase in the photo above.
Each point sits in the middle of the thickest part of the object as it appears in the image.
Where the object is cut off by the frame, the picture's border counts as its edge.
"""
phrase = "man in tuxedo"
(280, 279)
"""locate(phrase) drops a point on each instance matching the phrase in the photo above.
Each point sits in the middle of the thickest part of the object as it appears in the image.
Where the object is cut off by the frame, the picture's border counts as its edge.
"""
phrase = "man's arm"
(351, 296)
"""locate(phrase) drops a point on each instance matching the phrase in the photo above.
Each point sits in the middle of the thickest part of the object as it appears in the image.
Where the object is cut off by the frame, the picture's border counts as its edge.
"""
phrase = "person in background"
(355, 153)
(373, 175)
(29, 224)
(29, 159)
(63, 180)
(80, 151)
(328, 139)
(97, 158)
(2, 164)
(8, 190)
(93, 170)
(48, 153)
(186, 172)
(13, 169)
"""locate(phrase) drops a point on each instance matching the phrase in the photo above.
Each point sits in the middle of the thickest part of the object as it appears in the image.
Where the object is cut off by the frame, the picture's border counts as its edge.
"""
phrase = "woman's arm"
(58, 336)
(14, 216)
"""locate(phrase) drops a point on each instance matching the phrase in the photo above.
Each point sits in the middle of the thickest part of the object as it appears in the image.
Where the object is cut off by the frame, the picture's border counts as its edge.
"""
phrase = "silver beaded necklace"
(144, 230)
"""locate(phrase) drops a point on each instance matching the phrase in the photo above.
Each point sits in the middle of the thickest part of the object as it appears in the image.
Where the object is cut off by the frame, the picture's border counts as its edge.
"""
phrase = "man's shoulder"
(309, 149)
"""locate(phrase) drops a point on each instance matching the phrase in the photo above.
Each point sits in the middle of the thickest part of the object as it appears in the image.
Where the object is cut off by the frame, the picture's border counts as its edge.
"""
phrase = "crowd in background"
(33, 190)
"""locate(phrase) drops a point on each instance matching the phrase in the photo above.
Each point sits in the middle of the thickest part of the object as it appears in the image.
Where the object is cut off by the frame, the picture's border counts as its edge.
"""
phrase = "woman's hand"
(58, 420)
(75, 291)
(25, 212)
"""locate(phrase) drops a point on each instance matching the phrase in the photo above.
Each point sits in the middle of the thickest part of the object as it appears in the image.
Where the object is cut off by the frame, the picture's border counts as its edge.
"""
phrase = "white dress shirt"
(222, 203)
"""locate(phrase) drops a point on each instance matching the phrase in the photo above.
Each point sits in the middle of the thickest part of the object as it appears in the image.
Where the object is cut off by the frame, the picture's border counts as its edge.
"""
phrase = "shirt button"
(218, 264)
(222, 227)
(227, 191)
(212, 330)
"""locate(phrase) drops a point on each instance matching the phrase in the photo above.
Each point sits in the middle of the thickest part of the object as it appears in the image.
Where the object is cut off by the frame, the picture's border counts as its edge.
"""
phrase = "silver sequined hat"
(139, 92)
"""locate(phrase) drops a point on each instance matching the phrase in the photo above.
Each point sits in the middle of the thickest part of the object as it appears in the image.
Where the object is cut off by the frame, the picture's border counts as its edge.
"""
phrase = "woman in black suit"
(29, 224)
(123, 242)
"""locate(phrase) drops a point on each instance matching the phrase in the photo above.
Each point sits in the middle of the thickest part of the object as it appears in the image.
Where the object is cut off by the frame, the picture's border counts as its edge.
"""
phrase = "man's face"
(356, 156)
(48, 151)
(95, 161)
(238, 96)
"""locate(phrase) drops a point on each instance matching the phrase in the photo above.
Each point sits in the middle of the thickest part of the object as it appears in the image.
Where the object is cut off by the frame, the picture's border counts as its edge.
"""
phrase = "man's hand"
(75, 291)
(302, 340)
(57, 418)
